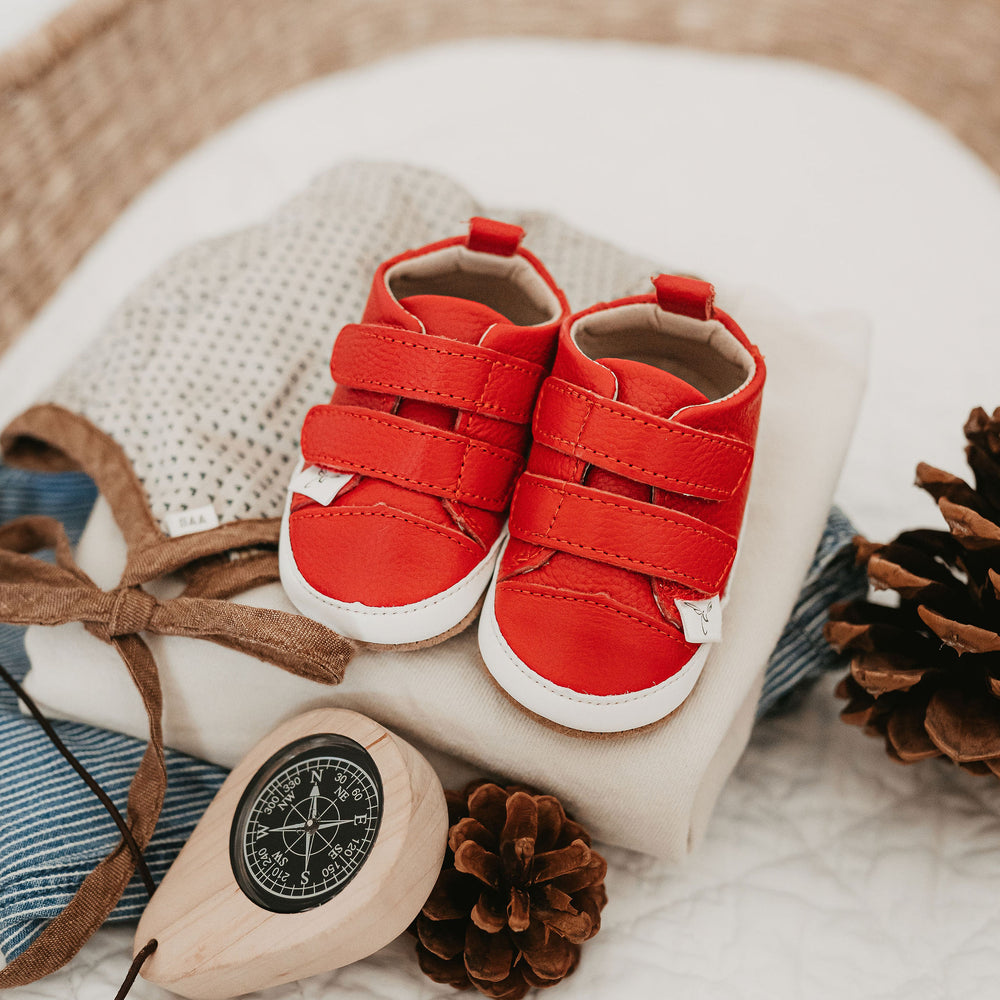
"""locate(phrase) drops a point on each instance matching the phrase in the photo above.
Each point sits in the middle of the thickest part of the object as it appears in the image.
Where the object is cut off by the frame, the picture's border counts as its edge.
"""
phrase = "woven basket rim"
(37, 53)
(81, 139)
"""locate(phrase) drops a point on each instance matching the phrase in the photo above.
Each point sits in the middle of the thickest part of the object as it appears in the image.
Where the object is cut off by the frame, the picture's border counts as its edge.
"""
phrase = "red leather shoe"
(624, 527)
(397, 512)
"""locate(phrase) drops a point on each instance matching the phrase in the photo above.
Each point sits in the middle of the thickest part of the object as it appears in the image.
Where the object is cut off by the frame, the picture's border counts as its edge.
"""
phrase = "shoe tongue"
(459, 319)
(651, 389)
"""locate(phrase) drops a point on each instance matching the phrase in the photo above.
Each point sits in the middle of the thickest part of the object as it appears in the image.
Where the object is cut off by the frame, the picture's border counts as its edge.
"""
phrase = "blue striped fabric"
(802, 654)
(53, 830)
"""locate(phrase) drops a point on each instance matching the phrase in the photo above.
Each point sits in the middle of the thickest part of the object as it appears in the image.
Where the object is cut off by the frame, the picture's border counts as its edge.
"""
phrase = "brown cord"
(133, 970)
(105, 800)
(39, 593)
(88, 778)
(34, 592)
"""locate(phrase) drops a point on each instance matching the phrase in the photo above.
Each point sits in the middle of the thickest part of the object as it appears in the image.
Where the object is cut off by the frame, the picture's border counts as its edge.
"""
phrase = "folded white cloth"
(653, 790)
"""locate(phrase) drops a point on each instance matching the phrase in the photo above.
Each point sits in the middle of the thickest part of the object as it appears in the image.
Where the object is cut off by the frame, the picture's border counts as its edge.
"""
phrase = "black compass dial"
(306, 823)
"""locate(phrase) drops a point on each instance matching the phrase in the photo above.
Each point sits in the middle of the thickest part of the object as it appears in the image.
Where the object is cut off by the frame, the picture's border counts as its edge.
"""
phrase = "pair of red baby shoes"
(600, 563)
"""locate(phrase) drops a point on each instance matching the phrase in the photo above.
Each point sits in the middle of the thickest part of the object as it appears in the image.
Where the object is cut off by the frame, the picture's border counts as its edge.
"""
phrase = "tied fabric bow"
(33, 592)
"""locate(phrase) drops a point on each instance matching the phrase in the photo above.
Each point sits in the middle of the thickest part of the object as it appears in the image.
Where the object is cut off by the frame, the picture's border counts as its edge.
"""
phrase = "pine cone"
(925, 675)
(519, 891)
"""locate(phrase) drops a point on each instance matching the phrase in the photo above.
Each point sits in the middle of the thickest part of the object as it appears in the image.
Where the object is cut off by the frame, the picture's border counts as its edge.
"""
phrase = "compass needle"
(313, 784)
(313, 810)
(336, 822)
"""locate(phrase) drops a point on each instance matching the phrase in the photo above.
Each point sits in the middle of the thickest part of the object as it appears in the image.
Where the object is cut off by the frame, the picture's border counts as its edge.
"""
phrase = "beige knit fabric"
(205, 372)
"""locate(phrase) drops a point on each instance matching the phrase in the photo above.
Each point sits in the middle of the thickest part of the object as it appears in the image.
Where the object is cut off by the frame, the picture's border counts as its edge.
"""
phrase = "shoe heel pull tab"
(686, 296)
(491, 236)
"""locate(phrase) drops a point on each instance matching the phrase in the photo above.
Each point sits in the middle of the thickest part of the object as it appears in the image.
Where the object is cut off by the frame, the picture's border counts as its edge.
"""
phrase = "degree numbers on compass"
(312, 843)
(307, 829)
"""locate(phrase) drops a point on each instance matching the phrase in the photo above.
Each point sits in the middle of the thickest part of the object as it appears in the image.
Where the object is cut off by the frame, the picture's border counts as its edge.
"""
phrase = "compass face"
(306, 823)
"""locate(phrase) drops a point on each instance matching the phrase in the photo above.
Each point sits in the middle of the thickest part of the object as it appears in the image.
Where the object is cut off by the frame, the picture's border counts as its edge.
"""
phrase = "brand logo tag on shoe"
(702, 620)
(187, 522)
(320, 484)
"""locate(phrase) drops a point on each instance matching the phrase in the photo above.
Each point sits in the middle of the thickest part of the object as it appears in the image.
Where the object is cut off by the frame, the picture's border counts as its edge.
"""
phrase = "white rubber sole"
(392, 626)
(586, 713)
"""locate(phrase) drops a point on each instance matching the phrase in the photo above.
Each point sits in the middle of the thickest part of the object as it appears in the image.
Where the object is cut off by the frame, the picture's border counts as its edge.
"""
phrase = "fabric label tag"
(320, 484)
(187, 522)
(702, 620)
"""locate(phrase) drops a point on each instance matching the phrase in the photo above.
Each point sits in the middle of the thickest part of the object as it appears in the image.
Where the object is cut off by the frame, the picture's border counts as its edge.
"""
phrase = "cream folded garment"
(653, 790)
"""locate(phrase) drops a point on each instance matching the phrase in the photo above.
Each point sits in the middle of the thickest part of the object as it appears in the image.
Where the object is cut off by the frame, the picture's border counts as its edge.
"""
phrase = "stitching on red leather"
(562, 490)
(333, 461)
(541, 434)
(652, 568)
(581, 600)
(489, 389)
(719, 439)
(523, 370)
(398, 517)
(534, 483)
(454, 494)
(461, 470)
(468, 443)
(546, 436)
(512, 365)
(555, 513)
(477, 403)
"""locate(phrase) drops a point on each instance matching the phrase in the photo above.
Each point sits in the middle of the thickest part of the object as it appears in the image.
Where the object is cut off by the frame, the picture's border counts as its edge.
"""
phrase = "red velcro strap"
(421, 366)
(648, 449)
(491, 236)
(612, 529)
(685, 296)
(410, 454)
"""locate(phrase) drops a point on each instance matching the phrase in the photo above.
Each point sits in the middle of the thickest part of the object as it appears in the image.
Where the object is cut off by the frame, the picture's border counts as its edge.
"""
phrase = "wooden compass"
(320, 848)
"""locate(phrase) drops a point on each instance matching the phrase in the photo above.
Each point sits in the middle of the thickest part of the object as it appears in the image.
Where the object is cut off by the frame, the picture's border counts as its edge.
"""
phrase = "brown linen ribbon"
(37, 593)
(33, 592)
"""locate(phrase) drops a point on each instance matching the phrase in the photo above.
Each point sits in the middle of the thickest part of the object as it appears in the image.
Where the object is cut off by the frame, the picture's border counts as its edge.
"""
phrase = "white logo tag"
(187, 522)
(702, 620)
(320, 484)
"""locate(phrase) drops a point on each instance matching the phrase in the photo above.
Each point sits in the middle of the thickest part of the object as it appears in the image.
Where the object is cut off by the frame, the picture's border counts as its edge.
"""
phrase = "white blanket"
(827, 871)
